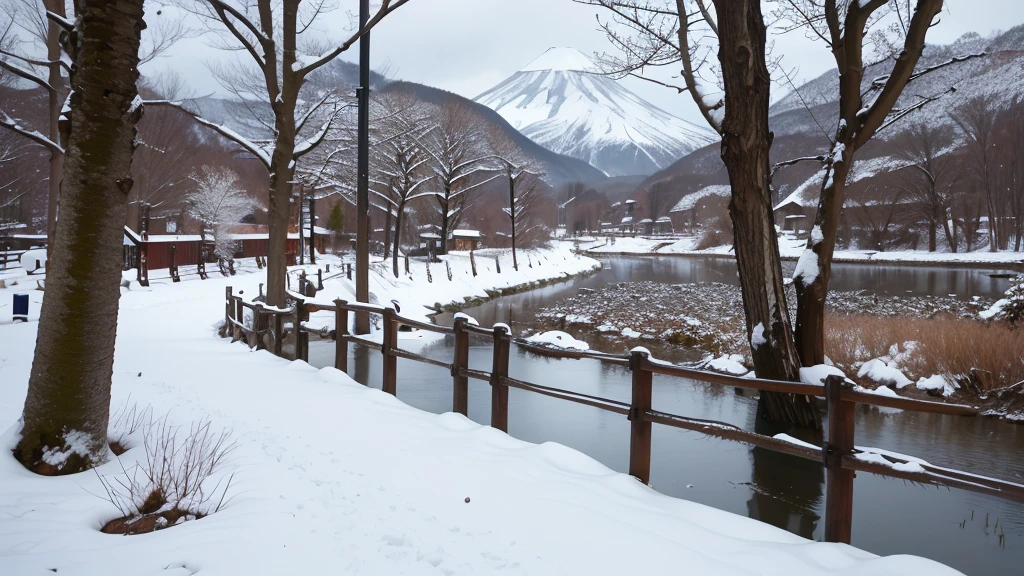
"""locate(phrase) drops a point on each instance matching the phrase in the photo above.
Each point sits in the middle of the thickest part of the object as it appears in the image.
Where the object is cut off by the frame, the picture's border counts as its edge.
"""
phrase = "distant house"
(464, 240)
(430, 245)
(663, 225)
(645, 226)
(686, 214)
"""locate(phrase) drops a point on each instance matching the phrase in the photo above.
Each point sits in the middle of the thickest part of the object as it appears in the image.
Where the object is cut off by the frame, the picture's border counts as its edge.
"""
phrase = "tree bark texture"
(745, 145)
(64, 423)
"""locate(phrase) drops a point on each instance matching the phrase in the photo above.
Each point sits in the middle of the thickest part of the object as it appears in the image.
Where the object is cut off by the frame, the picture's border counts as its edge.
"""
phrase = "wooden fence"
(837, 454)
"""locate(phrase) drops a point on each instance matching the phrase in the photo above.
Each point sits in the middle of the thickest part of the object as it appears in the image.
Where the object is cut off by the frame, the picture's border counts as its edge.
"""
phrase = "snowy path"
(332, 477)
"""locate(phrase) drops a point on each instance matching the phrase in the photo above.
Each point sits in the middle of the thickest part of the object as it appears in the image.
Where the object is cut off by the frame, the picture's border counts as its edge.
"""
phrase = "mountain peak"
(561, 60)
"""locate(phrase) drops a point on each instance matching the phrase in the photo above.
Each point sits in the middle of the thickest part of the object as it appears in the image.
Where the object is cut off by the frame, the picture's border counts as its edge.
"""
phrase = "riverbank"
(428, 289)
(917, 346)
(791, 247)
(329, 475)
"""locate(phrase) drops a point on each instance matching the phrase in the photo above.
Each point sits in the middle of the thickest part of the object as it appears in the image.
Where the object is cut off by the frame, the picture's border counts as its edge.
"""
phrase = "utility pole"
(363, 176)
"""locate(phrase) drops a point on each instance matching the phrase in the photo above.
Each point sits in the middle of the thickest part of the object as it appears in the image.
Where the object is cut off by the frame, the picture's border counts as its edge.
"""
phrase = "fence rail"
(838, 454)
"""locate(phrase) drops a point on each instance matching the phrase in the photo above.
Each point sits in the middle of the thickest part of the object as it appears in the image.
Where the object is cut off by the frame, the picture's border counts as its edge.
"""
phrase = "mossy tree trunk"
(68, 404)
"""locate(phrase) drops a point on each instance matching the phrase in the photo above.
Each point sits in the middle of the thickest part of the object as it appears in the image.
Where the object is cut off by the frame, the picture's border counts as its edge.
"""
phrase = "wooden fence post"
(240, 317)
(301, 336)
(319, 279)
(257, 321)
(228, 312)
(340, 332)
(640, 428)
(839, 480)
(278, 333)
(389, 374)
(499, 370)
(460, 394)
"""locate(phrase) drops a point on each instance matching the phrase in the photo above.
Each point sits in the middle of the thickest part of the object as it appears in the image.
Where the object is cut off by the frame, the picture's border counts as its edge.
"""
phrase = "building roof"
(690, 200)
(664, 219)
(627, 220)
(465, 233)
(645, 221)
(430, 235)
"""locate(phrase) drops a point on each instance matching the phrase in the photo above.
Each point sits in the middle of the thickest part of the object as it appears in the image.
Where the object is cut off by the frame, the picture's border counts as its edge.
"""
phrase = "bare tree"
(46, 25)
(1010, 146)
(844, 26)
(276, 38)
(458, 153)
(523, 177)
(877, 214)
(976, 119)
(219, 203)
(931, 178)
(686, 33)
(167, 143)
(399, 171)
(67, 409)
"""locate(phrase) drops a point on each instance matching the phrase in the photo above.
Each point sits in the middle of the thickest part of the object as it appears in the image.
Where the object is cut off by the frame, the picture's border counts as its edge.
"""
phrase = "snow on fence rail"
(838, 453)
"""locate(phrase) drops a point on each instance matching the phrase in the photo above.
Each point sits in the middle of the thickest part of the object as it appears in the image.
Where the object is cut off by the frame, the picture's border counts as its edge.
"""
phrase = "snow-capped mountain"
(562, 103)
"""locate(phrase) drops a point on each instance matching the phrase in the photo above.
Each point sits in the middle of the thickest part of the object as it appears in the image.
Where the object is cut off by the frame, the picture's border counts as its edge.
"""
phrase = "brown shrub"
(984, 356)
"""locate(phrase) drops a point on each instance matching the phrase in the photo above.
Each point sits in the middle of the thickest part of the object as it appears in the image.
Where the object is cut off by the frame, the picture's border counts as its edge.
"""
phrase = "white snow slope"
(335, 478)
(562, 103)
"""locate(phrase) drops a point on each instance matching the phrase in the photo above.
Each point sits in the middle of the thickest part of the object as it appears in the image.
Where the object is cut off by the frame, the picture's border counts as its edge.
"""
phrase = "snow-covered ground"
(334, 477)
(791, 248)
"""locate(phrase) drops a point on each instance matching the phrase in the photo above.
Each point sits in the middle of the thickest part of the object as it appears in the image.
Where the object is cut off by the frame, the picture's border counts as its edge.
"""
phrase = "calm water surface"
(973, 533)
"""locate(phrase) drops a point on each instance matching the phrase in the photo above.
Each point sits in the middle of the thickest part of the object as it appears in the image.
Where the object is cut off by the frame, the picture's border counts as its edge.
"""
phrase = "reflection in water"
(791, 500)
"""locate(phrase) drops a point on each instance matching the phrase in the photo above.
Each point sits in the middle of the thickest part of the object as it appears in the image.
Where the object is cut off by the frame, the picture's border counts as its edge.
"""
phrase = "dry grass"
(981, 356)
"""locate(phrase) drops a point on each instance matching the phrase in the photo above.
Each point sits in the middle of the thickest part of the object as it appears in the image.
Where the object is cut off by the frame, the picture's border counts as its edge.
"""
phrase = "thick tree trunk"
(745, 145)
(278, 216)
(64, 424)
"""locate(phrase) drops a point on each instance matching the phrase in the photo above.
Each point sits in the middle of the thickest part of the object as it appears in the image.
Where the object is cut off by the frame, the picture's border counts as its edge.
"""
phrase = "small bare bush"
(978, 355)
(176, 481)
(125, 422)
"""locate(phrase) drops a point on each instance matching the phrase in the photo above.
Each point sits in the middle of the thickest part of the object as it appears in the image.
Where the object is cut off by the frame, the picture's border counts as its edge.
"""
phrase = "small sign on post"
(20, 308)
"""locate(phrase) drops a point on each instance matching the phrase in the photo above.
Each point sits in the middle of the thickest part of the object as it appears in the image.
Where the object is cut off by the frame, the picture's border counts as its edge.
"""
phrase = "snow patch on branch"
(807, 268)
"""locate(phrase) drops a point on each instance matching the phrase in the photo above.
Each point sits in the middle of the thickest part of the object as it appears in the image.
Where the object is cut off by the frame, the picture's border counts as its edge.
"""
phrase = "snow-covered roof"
(465, 233)
(806, 194)
(627, 220)
(645, 221)
(617, 204)
(630, 201)
(430, 236)
(690, 200)
(796, 216)
(664, 219)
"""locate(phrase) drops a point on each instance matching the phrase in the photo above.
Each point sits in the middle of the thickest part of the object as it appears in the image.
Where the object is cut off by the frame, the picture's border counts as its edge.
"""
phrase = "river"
(979, 535)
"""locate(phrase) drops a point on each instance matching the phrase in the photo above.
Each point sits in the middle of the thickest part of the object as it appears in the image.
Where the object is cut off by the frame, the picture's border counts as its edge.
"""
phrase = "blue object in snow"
(20, 308)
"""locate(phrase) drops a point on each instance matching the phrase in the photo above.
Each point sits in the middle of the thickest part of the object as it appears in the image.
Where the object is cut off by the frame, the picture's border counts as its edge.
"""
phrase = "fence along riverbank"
(269, 328)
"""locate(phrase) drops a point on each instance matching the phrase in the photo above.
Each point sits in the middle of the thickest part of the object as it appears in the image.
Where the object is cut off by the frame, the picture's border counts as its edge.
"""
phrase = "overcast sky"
(468, 46)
